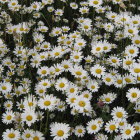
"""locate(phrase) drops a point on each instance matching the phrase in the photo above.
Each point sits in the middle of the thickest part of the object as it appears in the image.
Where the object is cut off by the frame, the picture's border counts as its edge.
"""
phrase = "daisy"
(97, 70)
(108, 79)
(84, 10)
(108, 98)
(59, 12)
(76, 56)
(87, 94)
(27, 134)
(111, 126)
(61, 84)
(82, 104)
(40, 90)
(128, 62)
(11, 134)
(43, 71)
(137, 127)
(78, 71)
(72, 89)
(114, 61)
(136, 41)
(133, 94)
(118, 81)
(130, 31)
(79, 131)
(93, 86)
(135, 69)
(71, 99)
(29, 117)
(47, 102)
(8, 117)
(119, 113)
(93, 127)
(37, 135)
(131, 51)
(73, 5)
(59, 131)
(5, 87)
(128, 132)
(95, 3)
(45, 83)
(8, 105)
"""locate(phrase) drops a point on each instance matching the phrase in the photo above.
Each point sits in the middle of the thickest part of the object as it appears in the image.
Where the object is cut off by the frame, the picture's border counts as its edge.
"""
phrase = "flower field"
(69, 70)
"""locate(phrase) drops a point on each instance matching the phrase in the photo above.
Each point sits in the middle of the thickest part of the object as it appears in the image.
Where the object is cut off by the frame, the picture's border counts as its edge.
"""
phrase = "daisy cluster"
(69, 70)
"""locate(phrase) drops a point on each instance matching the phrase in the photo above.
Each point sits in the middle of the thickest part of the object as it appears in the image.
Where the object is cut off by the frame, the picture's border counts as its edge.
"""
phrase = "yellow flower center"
(95, 2)
(93, 127)
(86, 95)
(78, 73)
(45, 84)
(128, 62)
(41, 91)
(60, 133)
(72, 100)
(29, 118)
(119, 81)
(137, 128)
(11, 135)
(36, 138)
(47, 103)
(107, 99)
(13, 4)
(76, 57)
(66, 66)
(135, 22)
(127, 80)
(119, 114)
(114, 60)
(131, 51)
(134, 95)
(28, 135)
(35, 6)
(130, 31)
(4, 87)
(61, 85)
(92, 87)
(80, 130)
(86, 27)
(112, 127)
(108, 79)
(128, 132)
(137, 41)
(137, 70)
(82, 103)
(72, 90)
(98, 71)
(9, 117)
(57, 53)
(44, 72)
(98, 49)
(30, 103)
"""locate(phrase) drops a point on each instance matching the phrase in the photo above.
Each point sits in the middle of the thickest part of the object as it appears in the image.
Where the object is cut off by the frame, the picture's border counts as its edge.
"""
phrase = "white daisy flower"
(11, 134)
(128, 132)
(93, 127)
(29, 117)
(59, 131)
(97, 70)
(118, 113)
(79, 131)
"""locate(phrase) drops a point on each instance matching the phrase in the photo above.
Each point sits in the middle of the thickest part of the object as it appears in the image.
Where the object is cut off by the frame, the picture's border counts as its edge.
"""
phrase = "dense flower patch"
(69, 70)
